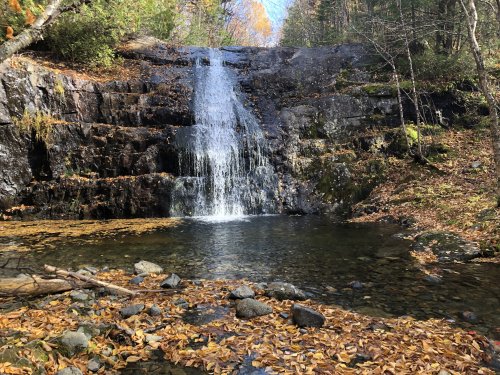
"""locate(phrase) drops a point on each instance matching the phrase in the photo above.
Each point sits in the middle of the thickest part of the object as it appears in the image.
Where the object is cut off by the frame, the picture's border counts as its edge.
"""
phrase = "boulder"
(171, 282)
(145, 267)
(448, 247)
(79, 296)
(242, 292)
(249, 308)
(94, 365)
(283, 291)
(136, 280)
(128, 311)
(306, 317)
(154, 311)
(74, 342)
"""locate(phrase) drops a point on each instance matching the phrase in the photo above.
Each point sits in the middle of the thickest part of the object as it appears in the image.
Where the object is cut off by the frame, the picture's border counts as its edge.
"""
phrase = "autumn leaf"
(9, 32)
(29, 17)
(15, 6)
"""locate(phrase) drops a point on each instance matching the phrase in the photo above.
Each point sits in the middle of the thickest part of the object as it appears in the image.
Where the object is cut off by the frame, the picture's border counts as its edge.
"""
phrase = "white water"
(225, 169)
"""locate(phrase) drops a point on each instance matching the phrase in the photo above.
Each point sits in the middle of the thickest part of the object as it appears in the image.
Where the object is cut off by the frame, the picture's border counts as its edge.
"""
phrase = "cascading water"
(223, 167)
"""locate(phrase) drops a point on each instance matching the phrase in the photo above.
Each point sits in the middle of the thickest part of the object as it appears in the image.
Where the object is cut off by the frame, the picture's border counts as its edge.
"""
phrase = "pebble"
(128, 311)
(154, 311)
(171, 282)
(94, 365)
(136, 280)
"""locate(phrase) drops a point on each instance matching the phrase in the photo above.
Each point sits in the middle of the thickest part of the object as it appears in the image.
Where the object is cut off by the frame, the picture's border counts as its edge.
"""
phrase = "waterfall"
(224, 170)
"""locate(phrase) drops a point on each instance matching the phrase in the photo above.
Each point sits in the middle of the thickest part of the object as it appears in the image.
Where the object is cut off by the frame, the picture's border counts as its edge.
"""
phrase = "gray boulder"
(250, 308)
(136, 280)
(154, 311)
(283, 291)
(74, 342)
(69, 371)
(306, 317)
(242, 292)
(128, 311)
(94, 365)
(145, 267)
(171, 282)
(79, 296)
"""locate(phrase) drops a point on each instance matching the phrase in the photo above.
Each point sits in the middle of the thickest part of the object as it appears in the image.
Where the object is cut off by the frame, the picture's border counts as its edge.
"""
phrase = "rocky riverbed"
(206, 324)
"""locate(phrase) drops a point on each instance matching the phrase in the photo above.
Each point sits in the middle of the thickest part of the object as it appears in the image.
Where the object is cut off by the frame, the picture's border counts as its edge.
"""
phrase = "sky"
(276, 9)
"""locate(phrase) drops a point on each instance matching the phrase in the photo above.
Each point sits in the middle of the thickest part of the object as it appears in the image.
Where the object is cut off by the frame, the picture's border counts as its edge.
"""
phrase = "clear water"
(313, 253)
(224, 169)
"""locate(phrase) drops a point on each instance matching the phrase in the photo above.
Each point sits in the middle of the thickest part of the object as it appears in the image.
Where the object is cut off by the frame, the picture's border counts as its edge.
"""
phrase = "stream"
(363, 267)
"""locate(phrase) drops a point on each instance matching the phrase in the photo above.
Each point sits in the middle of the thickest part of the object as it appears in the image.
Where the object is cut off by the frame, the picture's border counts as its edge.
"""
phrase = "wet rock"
(242, 292)
(74, 342)
(181, 302)
(136, 280)
(91, 269)
(250, 308)
(128, 311)
(154, 311)
(69, 371)
(356, 284)
(447, 247)
(433, 279)
(145, 267)
(79, 296)
(468, 316)
(284, 291)
(93, 365)
(171, 282)
(306, 317)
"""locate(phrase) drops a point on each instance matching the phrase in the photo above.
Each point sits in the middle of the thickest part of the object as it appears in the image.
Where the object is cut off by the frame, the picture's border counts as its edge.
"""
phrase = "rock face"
(249, 308)
(115, 151)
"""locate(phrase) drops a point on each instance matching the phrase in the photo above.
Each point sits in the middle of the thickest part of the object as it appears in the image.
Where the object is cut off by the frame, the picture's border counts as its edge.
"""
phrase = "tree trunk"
(34, 285)
(412, 76)
(472, 18)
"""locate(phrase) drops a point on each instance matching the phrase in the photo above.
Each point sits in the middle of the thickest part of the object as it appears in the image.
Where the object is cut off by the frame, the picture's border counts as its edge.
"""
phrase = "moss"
(39, 124)
(59, 88)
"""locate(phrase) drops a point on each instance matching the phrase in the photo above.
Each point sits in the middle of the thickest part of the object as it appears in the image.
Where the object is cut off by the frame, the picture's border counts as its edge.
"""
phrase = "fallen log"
(111, 287)
(26, 285)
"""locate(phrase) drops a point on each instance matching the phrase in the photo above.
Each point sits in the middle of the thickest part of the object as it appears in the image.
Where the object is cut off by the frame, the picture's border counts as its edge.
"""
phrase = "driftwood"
(111, 287)
(26, 285)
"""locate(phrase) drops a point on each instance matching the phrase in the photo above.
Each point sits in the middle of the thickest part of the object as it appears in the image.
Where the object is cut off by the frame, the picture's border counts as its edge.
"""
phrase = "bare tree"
(472, 19)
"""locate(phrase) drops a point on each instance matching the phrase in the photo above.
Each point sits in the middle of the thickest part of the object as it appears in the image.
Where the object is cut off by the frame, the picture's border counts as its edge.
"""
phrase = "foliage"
(39, 124)
(15, 15)
(250, 24)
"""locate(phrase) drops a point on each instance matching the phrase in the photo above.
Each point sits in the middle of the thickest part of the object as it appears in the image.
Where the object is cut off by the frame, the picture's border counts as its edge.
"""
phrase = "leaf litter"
(349, 343)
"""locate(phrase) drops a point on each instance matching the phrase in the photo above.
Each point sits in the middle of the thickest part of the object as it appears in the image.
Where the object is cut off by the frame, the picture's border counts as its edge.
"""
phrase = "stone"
(242, 292)
(171, 282)
(249, 308)
(448, 247)
(89, 330)
(74, 342)
(136, 280)
(154, 311)
(476, 164)
(469, 316)
(356, 284)
(147, 267)
(284, 291)
(284, 315)
(93, 365)
(306, 317)
(181, 302)
(443, 372)
(79, 296)
(128, 311)
(433, 279)
(152, 338)
(69, 371)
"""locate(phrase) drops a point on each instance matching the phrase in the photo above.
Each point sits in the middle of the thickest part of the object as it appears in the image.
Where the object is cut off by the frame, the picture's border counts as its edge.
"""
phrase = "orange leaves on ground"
(405, 346)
